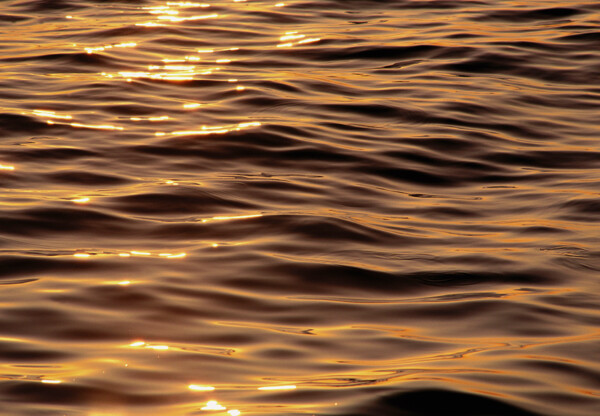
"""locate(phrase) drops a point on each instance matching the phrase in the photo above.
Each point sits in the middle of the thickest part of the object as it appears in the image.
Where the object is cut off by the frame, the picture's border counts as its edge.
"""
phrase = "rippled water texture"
(329, 207)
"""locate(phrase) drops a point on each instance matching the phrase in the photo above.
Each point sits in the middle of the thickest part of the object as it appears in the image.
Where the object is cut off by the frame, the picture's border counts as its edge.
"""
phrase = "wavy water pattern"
(304, 207)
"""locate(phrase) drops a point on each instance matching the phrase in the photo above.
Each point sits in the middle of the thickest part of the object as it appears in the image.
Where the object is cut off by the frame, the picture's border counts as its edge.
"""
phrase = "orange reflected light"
(181, 74)
(160, 118)
(236, 217)
(213, 405)
(51, 114)
(292, 387)
(164, 11)
(212, 130)
(82, 255)
(6, 167)
(149, 24)
(184, 19)
(51, 381)
(92, 126)
(91, 50)
(289, 37)
(83, 200)
(196, 387)
(145, 345)
(172, 256)
(186, 4)
(158, 347)
(311, 40)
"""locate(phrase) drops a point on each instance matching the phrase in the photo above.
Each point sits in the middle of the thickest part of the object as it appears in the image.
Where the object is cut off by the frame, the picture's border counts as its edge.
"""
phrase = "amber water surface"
(328, 207)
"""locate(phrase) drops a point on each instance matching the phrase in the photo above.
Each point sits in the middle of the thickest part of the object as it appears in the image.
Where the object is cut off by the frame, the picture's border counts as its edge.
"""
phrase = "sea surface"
(299, 207)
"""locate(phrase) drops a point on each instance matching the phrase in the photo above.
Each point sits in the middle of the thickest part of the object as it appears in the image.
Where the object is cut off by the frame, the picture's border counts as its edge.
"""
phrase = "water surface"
(320, 207)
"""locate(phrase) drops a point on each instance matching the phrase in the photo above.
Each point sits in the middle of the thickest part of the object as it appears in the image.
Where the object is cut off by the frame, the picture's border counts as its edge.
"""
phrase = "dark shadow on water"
(438, 402)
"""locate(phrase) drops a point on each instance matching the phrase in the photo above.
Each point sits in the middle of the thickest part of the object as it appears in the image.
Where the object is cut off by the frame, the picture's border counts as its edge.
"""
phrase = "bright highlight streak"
(51, 381)
(234, 412)
(81, 255)
(137, 344)
(212, 130)
(51, 114)
(91, 126)
(213, 405)
(277, 388)
(192, 105)
(83, 200)
(150, 24)
(158, 347)
(196, 387)
(311, 40)
(186, 4)
(7, 167)
(183, 19)
(236, 217)
(290, 37)
(158, 118)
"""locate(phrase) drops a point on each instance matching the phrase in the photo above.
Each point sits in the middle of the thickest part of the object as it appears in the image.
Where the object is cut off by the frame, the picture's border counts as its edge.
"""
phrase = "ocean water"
(328, 207)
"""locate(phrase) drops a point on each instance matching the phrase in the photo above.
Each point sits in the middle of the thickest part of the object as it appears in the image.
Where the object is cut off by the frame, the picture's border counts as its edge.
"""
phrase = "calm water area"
(299, 207)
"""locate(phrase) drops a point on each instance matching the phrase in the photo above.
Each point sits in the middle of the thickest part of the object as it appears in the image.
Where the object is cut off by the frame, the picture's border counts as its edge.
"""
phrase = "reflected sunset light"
(213, 405)
(291, 387)
(207, 130)
(196, 387)
(285, 207)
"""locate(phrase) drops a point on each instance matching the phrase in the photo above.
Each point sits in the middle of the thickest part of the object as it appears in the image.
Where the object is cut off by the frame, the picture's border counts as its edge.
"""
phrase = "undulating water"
(307, 207)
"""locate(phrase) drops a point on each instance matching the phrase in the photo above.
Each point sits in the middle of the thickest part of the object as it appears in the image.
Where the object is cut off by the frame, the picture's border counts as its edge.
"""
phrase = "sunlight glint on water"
(303, 208)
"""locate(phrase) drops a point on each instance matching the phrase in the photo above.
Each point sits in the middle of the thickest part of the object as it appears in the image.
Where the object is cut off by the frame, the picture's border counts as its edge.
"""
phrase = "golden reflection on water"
(232, 217)
(293, 38)
(92, 49)
(213, 405)
(196, 387)
(177, 69)
(290, 387)
(82, 200)
(88, 126)
(134, 253)
(169, 14)
(206, 130)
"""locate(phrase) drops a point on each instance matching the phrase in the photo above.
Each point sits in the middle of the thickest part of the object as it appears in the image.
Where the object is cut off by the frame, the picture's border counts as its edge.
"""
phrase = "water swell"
(377, 207)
